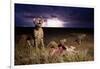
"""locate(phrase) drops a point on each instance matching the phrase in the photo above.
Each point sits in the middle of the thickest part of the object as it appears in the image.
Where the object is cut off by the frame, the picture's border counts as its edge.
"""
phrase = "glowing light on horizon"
(53, 22)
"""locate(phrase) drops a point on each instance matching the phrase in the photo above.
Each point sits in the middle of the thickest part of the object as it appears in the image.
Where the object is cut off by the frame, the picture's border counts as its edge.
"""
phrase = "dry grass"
(25, 54)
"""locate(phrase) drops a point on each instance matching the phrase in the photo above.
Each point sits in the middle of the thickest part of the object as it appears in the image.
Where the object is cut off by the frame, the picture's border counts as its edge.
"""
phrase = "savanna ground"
(25, 54)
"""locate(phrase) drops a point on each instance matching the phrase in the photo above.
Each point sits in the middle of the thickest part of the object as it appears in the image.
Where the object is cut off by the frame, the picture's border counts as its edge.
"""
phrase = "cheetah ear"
(34, 19)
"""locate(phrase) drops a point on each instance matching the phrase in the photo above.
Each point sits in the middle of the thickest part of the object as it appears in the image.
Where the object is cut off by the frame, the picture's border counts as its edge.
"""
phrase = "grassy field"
(25, 54)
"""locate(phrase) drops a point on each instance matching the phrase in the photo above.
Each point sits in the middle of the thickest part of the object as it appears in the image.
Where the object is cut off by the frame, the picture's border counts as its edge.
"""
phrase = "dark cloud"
(71, 16)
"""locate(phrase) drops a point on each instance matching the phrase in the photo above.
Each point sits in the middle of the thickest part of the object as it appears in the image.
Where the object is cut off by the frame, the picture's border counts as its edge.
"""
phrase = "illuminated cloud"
(53, 22)
(56, 16)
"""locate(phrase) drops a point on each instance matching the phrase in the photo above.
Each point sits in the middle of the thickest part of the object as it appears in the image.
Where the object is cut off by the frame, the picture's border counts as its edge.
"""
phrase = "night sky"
(55, 16)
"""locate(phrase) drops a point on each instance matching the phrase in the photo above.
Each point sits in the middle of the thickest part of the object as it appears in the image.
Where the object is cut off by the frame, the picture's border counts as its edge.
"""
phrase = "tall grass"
(40, 56)
(25, 54)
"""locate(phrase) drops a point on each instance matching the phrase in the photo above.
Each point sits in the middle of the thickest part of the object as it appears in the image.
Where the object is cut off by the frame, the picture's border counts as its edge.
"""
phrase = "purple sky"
(69, 17)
